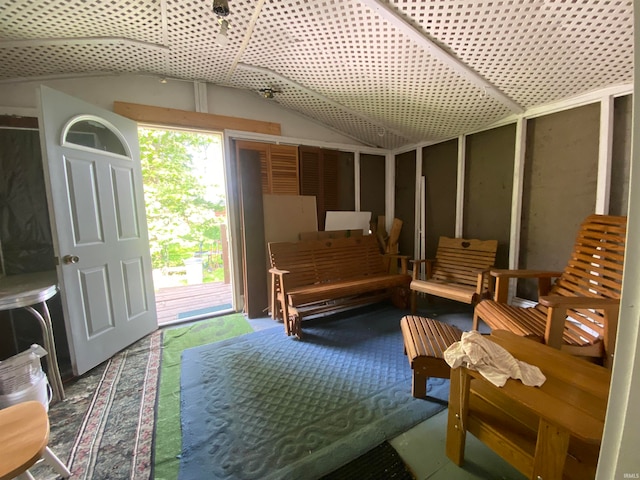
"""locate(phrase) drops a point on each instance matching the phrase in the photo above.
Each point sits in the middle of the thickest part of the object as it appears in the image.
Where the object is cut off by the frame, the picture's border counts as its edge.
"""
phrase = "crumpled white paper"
(491, 360)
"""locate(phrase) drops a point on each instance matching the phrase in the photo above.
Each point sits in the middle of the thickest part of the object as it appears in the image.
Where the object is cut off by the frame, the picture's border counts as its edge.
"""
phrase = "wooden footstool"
(425, 341)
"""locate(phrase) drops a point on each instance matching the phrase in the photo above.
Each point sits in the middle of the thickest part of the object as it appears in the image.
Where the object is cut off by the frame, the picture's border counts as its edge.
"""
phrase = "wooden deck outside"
(173, 301)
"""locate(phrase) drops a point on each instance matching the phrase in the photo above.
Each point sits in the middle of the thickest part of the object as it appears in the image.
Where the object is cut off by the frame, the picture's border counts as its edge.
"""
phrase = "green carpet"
(168, 439)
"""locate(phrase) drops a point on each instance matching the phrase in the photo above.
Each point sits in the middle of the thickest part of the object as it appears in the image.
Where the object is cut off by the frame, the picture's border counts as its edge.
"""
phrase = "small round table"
(27, 291)
(24, 434)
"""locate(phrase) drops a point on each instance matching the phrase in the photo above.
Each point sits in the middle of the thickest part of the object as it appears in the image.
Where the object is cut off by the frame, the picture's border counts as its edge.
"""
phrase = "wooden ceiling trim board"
(170, 116)
(392, 16)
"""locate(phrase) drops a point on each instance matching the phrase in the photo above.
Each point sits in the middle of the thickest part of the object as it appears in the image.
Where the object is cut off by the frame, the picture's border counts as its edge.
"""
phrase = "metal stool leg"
(54, 462)
(50, 347)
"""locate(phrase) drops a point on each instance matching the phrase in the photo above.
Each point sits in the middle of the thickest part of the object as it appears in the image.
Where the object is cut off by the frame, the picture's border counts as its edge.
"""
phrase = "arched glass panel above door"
(94, 133)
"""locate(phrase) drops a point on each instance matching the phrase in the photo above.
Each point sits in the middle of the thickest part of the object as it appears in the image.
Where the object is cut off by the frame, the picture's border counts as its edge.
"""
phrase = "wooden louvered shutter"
(284, 169)
(278, 166)
(310, 178)
(319, 177)
(265, 171)
(330, 180)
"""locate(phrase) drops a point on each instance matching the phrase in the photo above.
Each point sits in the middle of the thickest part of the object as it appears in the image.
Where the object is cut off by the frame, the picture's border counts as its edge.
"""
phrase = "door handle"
(70, 259)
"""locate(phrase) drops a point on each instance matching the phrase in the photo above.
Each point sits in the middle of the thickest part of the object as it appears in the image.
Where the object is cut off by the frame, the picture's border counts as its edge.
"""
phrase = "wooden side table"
(28, 291)
(539, 430)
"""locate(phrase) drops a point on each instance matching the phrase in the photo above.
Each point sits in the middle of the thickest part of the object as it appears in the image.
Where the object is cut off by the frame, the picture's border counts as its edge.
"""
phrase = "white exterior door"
(96, 204)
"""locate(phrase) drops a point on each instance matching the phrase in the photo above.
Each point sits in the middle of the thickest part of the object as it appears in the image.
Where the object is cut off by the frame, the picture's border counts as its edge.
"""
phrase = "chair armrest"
(502, 277)
(557, 312)
(416, 267)
(560, 301)
(277, 271)
(491, 283)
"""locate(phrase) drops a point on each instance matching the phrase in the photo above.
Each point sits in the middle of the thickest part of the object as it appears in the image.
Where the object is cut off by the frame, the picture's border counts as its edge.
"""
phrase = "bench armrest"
(429, 267)
(502, 277)
(404, 259)
(505, 273)
(557, 313)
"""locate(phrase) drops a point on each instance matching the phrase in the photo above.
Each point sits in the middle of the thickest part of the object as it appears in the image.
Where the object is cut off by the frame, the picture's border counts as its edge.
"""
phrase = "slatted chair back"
(458, 260)
(594, 270)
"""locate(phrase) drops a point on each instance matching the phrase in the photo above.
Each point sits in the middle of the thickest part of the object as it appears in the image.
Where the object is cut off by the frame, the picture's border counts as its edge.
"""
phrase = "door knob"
(69, 259)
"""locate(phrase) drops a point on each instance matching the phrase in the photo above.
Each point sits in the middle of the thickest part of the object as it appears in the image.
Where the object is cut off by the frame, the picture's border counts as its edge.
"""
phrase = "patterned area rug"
(104, 427)
(267, 406)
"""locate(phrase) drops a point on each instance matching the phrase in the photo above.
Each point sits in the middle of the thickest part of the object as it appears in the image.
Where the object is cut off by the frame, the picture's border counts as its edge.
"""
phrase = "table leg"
(49, 345)
(551, 451)
(457, 419)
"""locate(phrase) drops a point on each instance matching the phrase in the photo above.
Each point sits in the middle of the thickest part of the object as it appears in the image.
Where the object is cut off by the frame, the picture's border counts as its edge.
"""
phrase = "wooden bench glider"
(320, 276)
(459, 272)
(579, 312)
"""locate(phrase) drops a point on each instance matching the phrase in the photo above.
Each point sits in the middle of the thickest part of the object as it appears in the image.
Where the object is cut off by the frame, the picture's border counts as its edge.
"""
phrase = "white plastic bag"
(22, 371)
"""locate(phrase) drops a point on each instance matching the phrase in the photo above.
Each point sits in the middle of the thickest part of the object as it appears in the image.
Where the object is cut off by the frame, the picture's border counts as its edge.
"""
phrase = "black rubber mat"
(382, 462)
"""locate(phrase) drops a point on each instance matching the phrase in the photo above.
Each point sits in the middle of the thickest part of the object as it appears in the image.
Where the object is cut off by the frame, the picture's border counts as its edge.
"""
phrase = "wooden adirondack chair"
(579, 312)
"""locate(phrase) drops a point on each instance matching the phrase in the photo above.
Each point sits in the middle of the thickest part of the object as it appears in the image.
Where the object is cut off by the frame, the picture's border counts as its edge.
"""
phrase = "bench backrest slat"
(318, 261)
(459, 260)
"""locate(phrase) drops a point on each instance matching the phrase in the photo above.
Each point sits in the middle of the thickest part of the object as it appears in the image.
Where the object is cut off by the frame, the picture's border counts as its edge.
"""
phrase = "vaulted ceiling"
(387, 73)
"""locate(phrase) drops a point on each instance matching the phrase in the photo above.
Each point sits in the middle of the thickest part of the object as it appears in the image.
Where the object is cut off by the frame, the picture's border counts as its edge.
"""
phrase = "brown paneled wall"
(405, 200)
(621, 156)
(488, 188)
(439, 167)
(346, 182)
(560, 177)
(559, 184)
(372, 185)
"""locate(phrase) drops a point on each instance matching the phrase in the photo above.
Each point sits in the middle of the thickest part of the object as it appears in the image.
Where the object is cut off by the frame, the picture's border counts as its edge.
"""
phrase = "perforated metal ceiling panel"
(385, 73)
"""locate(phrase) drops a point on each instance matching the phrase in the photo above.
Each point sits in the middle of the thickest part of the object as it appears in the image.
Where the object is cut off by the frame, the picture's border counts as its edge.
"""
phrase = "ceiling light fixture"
(222, 39)
(221, 8)
(268, 92)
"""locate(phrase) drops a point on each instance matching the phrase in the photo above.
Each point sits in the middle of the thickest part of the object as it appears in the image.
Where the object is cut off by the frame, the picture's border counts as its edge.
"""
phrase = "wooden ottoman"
(425, 341)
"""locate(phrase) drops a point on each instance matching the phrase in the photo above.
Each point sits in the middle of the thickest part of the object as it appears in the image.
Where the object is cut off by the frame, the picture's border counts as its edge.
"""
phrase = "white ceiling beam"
(245, 40)
(165, 32)
(47, 42)
(319, 96)
(421, 38)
